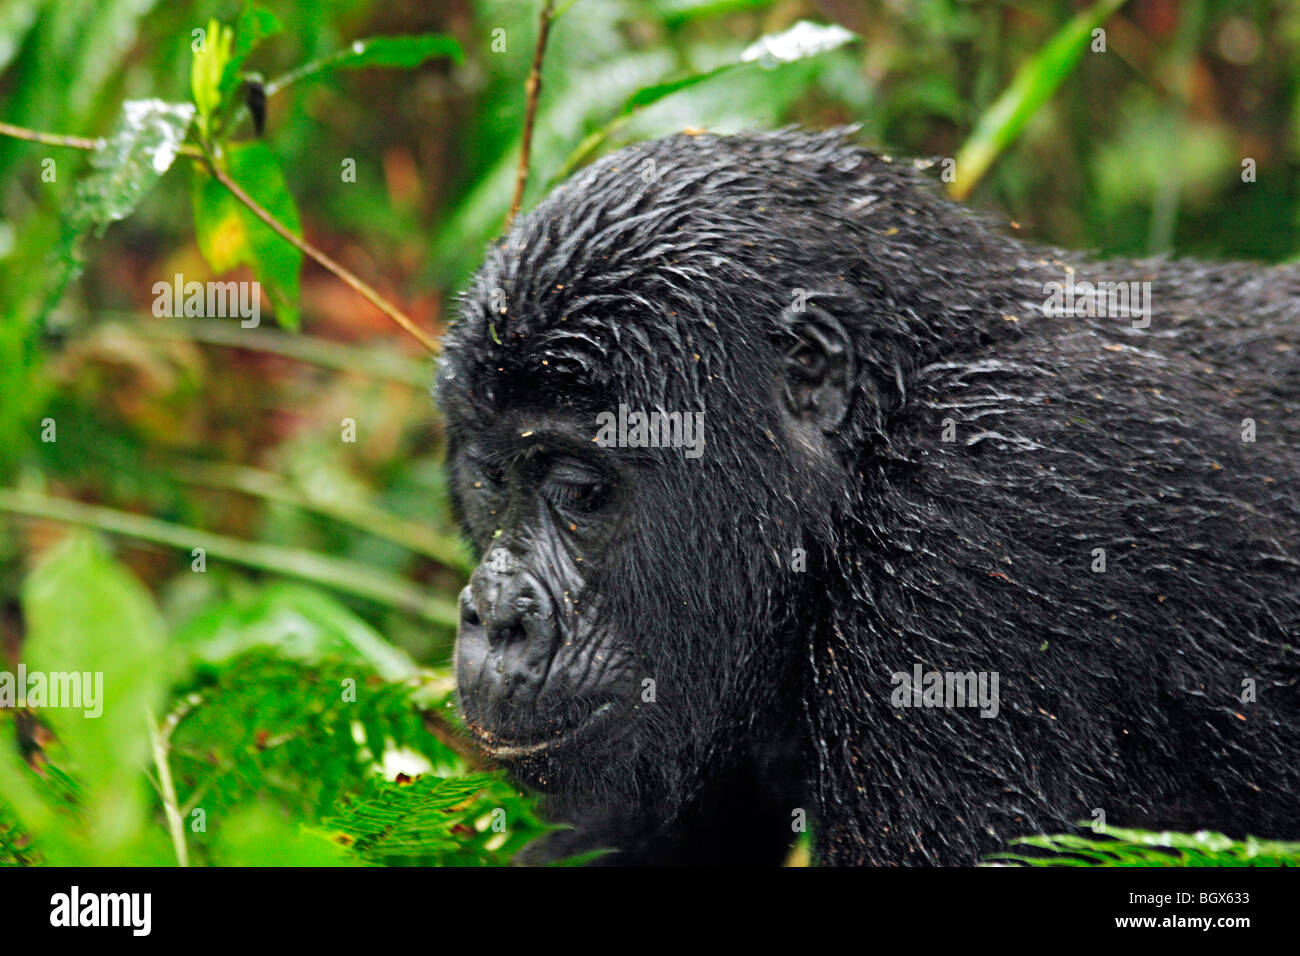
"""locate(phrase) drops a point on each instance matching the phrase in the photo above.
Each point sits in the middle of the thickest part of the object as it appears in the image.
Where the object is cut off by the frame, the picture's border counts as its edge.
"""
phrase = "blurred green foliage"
(281, 682)
(1121, 847)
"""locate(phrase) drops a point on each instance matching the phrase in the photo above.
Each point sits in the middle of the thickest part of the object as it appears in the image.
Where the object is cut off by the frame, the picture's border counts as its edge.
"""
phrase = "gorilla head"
(693, 404)
(630, 630)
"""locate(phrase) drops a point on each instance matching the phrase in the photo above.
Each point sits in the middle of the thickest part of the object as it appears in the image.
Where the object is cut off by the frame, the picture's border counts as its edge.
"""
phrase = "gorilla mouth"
(506, 748)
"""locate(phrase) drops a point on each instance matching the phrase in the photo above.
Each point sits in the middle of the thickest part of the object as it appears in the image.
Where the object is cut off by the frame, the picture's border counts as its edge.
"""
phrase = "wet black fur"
(658, 277)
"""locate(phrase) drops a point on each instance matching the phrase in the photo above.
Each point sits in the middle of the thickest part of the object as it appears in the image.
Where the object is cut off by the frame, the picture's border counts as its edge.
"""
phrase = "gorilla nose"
(512, 607)
(507, 620)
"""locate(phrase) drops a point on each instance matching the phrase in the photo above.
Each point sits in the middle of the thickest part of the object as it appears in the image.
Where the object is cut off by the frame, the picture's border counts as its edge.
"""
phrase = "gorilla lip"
(507, 749)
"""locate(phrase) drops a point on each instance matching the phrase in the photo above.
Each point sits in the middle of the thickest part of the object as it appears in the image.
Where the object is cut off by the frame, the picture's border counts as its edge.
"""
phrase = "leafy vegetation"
(1121, 847)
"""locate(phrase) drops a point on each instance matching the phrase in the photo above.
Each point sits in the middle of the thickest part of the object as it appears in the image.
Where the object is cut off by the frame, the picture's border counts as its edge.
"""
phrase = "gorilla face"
(539, 670)
(610, 636)
(630, 627)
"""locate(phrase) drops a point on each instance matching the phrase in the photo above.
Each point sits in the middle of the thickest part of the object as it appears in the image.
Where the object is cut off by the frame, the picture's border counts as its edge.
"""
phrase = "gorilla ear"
(817, 367)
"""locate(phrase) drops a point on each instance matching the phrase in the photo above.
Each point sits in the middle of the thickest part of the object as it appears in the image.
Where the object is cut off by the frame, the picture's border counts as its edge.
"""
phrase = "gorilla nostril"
(468, 612)
(511, 632)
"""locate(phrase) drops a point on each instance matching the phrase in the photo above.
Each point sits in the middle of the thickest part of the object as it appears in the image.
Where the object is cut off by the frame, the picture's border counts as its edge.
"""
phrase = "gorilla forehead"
(659, 251)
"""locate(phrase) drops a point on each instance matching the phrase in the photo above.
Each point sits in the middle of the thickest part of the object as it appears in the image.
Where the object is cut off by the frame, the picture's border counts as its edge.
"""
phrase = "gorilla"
(804, 497)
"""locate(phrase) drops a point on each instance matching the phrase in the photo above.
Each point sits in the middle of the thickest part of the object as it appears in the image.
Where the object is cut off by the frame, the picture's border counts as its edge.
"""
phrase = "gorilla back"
(970, 540)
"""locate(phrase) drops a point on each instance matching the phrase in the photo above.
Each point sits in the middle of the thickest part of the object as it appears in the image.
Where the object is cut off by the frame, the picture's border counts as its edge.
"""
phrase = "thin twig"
(167, 790)
(447, 735)
(532, 90)
(49, 139)
(307, 249)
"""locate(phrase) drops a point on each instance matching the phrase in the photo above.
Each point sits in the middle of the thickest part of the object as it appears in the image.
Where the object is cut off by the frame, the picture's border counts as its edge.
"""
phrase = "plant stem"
(307, 249)
(167, 790)
(338, 356)
(532, 90)
(49, 139)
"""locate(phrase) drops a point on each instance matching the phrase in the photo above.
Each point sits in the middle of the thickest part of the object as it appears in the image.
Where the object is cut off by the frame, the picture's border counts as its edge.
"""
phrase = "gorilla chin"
(900, 460)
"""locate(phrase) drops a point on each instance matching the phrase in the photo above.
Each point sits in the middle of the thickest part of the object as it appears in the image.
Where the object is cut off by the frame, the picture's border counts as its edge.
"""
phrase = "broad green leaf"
(397, 52)
(298, 622)
(1033, 84)
(87, 616)
(263, 835)
(230, 235)
(141, 148)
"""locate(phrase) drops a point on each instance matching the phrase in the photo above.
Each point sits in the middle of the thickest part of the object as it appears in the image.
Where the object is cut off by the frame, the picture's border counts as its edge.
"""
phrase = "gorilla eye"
(585, 497)
(576, 490)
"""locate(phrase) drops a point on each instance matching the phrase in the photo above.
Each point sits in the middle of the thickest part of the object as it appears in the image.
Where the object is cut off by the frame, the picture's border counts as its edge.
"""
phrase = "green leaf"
(230, 235)
(1124, 847)
(803, 40)
(399, 52)
(598, 98)
(16, 19)
(206, 70)
(1033, 84)
(86, 615)
(262, 728)
(255, 25)
(142, 147)
(675, 13)
(298, 622)
(351, 577)
(261, 835)
(475, 819)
